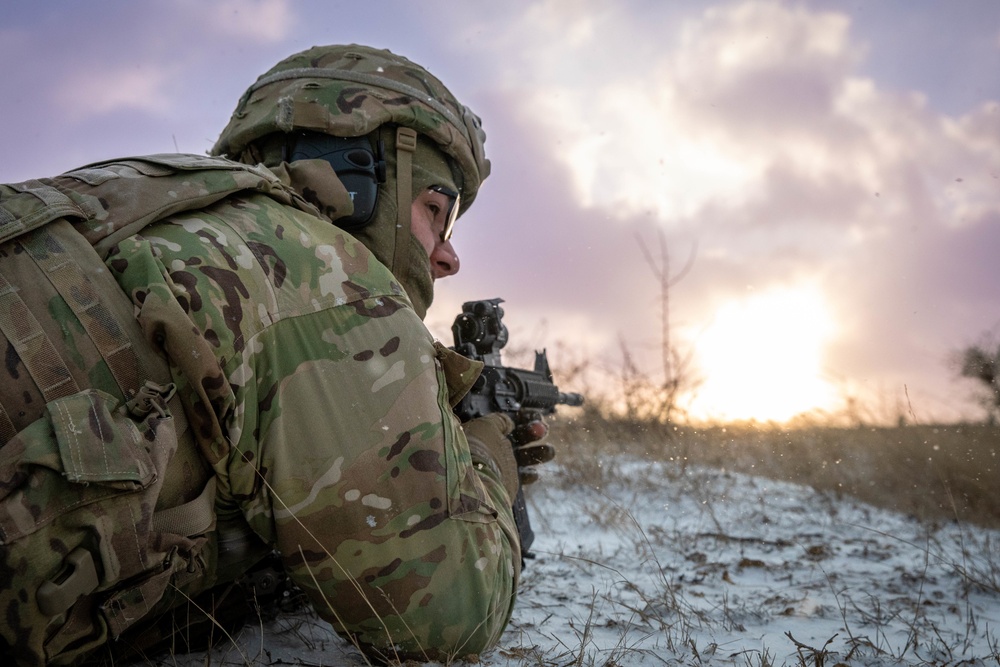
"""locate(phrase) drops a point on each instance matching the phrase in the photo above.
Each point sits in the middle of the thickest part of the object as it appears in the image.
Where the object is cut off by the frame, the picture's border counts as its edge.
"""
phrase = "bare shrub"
(979, 362)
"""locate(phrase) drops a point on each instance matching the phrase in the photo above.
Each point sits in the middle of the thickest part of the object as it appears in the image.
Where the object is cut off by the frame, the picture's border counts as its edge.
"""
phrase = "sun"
(762, 357)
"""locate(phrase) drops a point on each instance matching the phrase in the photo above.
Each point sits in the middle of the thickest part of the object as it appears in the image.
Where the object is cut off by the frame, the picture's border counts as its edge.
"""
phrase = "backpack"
(89, 420)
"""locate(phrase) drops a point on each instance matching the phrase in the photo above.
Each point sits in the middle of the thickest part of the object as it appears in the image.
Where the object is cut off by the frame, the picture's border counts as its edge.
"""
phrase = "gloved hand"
(530, 447)
(490, 447)
(511, 451)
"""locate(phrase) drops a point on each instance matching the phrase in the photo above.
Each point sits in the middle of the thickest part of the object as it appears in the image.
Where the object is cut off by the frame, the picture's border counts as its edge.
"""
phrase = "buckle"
(77, 578)
(151, 396)
(406, 139)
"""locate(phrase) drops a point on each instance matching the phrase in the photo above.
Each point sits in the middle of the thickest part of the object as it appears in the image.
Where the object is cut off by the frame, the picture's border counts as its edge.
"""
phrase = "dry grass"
(933, 472)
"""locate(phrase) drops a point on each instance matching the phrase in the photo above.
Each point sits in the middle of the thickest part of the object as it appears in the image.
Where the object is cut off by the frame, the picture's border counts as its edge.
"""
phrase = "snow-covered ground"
(653, 565)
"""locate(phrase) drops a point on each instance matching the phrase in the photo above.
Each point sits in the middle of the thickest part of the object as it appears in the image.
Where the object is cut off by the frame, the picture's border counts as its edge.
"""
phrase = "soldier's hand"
(490, 446)
(530, 447)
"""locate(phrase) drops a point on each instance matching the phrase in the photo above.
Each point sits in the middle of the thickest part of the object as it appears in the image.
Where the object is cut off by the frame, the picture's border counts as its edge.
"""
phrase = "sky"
(823, 177)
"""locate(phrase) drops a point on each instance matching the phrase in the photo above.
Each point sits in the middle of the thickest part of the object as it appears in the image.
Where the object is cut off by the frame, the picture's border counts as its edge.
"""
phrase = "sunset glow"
(762, 357)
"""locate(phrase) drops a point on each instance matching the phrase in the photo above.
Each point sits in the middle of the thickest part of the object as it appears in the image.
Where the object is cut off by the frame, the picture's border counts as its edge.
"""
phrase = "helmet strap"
(406, 144)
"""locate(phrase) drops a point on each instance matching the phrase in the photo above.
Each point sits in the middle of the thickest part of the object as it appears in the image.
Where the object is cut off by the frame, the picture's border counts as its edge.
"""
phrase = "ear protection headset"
(358, 165)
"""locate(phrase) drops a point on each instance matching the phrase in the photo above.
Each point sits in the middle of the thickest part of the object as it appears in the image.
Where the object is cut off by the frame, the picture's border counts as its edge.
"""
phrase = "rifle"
(519, 393)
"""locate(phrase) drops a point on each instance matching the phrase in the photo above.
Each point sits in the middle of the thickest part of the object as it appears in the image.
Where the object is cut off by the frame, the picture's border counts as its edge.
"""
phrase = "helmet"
(350, 91)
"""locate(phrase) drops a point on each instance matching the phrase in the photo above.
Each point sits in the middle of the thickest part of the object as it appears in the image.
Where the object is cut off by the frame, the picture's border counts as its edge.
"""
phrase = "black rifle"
(480, 334)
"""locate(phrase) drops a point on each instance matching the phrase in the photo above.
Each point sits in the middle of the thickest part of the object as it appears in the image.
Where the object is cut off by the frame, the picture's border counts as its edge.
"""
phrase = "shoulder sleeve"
(368, 487)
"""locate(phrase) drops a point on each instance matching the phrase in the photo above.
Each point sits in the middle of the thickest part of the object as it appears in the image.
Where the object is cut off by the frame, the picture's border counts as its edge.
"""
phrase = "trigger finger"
(530, 432)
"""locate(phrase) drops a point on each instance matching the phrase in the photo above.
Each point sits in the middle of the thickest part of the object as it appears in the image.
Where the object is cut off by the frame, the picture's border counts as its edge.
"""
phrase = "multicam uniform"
(322, 406)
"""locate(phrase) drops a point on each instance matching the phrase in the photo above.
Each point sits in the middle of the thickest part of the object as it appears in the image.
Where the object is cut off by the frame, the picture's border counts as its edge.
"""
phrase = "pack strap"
(32, 204)
(194, 517)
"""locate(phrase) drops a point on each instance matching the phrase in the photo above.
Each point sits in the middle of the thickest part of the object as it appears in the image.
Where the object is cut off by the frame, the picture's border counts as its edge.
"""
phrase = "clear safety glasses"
(455, 204)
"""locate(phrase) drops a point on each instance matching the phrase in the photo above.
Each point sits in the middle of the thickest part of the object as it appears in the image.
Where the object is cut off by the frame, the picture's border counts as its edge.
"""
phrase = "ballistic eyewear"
(454, 205)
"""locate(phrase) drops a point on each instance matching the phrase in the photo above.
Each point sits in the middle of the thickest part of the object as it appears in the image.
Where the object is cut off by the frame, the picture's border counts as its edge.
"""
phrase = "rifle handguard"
(490, 447)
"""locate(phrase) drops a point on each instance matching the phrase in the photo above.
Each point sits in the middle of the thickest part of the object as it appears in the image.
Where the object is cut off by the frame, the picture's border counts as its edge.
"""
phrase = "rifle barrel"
(572, 399)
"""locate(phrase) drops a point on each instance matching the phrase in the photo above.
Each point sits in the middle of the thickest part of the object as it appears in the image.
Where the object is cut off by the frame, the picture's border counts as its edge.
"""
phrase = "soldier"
(212, 360)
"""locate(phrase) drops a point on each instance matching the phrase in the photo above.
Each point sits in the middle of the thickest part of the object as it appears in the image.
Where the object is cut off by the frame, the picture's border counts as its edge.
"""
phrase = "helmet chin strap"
(406, 144)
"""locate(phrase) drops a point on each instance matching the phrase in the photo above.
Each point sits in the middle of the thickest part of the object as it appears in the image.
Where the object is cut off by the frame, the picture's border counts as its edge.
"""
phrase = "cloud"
(257, 20)
(642, 126)
(149, 67)
(127, 86)
(752, 95)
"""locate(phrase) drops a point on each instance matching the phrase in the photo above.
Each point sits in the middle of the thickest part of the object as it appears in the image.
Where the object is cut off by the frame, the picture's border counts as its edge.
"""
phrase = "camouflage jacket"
(322, 406)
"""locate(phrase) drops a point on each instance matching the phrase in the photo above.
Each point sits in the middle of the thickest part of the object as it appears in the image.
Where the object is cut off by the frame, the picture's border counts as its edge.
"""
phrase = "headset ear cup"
(356, 165)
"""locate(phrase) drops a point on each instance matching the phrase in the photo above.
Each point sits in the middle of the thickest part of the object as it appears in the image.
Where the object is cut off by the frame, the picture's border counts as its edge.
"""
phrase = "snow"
(707, 567)
(659, 565)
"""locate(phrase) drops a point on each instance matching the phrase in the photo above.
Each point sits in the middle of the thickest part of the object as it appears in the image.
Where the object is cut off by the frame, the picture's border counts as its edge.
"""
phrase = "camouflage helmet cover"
(350, 91)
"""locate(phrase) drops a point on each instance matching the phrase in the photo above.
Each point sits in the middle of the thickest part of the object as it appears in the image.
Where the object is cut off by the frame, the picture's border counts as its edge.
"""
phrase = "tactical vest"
(89, 425)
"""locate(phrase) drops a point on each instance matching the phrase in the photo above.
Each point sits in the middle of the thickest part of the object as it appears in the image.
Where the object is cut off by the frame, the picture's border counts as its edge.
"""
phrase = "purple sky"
(834, 166)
